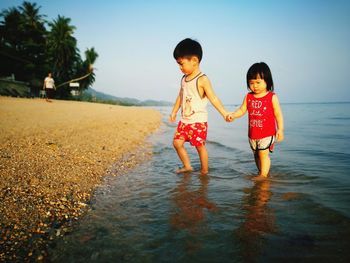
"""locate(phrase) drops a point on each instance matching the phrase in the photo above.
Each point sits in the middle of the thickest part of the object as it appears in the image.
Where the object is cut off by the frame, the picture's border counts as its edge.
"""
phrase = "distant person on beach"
(264, 112)
(49, 87)
(195, 92)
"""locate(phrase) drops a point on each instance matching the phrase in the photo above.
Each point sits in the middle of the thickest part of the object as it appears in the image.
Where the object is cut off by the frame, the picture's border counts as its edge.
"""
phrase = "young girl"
(264, 113)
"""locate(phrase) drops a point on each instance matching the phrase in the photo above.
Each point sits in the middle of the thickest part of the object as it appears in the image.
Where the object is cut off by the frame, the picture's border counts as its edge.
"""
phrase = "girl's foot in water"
(204, 172)
(259, 178)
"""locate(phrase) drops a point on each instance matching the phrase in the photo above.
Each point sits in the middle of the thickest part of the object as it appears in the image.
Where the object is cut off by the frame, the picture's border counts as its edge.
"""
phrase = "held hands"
(229, 117)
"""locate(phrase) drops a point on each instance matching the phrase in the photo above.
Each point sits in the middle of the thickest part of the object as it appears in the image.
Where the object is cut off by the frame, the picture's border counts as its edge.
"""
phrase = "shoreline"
(52, 158)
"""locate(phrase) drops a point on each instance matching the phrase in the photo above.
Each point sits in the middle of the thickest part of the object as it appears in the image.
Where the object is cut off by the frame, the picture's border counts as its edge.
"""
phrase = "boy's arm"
(205, 84)
(176, 107)
(279, 118)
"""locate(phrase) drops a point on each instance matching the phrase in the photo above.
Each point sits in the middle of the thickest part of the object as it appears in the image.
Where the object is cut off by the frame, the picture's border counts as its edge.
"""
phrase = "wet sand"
(52, 156)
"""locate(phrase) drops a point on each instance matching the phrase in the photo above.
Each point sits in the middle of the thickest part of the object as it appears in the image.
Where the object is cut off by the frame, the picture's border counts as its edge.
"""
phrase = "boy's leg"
(203, 156)
(264, 161)
(182, 153)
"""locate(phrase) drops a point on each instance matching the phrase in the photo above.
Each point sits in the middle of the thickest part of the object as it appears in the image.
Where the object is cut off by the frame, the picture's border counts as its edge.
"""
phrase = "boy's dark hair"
(262, 70)
(188, 48)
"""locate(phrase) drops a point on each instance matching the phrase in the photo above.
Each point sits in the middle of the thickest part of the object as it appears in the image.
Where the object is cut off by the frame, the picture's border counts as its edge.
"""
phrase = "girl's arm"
(279, 118)
(205, 85)
(176, 107)
(241, 111)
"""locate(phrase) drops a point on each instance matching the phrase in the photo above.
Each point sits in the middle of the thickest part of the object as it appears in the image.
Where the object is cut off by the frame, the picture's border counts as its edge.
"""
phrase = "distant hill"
(93, 95)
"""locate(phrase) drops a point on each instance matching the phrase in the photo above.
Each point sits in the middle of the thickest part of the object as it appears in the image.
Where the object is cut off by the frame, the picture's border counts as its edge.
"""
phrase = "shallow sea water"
(301, 214)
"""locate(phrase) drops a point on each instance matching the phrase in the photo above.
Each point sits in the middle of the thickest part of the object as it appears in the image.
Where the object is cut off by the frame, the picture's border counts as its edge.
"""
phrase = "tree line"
(31, 46)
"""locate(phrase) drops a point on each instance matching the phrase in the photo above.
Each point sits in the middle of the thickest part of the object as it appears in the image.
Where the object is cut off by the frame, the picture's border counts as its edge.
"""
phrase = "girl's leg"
(182, 153)
(264, 161)
(203, 156)
(257, 161)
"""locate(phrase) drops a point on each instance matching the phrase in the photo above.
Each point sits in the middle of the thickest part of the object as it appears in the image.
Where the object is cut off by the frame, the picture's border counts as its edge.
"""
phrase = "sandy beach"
(52, 156)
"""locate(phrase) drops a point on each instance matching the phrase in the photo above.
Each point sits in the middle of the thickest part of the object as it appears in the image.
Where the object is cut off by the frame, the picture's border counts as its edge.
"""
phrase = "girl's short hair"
(187, 48)
(263, 71)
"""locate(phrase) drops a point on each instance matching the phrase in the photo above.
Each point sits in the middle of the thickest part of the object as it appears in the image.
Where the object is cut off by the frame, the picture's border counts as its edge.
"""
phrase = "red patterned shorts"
(195, 133)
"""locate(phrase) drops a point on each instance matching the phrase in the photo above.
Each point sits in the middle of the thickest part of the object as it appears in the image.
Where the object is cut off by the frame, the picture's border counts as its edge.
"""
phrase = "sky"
(305, 44)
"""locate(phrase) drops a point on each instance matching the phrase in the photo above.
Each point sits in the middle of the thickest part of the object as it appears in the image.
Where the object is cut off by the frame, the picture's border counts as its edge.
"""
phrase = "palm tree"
(11, 24)
(30, 51)
(91, 55)
(11, 42)
(31, 15)
(63, 51)
(34, 42)
(87, 66)
(23, 43)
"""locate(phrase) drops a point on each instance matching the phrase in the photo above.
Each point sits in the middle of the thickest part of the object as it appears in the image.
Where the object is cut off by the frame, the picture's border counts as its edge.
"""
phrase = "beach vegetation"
(31, 46)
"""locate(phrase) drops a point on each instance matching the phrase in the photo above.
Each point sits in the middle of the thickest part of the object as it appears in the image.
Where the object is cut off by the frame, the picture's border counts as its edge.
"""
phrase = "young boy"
(193, 98)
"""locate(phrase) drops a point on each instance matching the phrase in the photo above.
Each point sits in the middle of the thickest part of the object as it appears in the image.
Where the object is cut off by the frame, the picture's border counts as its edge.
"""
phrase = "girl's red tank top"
(262, 122)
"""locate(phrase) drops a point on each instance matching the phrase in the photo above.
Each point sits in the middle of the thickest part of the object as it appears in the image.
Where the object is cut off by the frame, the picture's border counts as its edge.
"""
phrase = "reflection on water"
(300, 214)
(190, 208)
(259, 220)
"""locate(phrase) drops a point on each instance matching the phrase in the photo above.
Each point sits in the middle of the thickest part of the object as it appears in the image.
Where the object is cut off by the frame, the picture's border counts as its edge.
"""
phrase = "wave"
(340, 118)
(220, 145)
(327, 154)
(232, 176)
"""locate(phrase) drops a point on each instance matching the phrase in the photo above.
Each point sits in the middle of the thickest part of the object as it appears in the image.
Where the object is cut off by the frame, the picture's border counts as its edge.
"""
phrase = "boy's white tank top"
(193, 107)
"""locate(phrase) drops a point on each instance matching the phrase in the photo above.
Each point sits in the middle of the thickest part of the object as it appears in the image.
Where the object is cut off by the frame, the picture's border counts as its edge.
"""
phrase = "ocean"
(300, 214)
